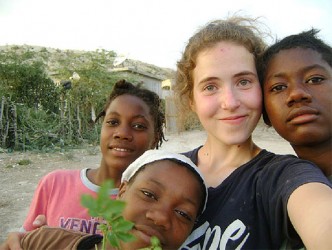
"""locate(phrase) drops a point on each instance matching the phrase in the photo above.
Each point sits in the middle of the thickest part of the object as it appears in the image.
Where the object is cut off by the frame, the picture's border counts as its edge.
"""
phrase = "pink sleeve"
(58, 197)
(39, 202)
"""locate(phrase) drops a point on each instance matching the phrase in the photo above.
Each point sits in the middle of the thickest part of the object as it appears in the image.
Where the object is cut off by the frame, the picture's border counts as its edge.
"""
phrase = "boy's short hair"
(304, 40)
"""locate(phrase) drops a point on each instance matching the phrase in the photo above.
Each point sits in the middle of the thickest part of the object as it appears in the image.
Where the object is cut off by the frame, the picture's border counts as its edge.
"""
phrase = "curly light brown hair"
(239, 30)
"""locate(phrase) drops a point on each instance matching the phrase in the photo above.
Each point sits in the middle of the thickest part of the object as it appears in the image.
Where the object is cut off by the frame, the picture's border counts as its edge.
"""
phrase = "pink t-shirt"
(58, 196)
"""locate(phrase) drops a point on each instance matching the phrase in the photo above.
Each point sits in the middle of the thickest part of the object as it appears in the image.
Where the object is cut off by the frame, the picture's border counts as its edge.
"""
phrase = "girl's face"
(127, 132)
(163, 201)
(297, 93)
(227, 96)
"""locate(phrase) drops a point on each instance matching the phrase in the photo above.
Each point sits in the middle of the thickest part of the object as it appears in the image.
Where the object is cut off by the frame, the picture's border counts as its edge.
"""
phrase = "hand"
(13, 241)
(39, 221)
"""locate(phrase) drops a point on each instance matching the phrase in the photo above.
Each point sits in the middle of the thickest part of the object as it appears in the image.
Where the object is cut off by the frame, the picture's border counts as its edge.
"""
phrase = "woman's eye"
(315, 80)
(244, 83)
(149, 194)
(210, 88)
(184, 215)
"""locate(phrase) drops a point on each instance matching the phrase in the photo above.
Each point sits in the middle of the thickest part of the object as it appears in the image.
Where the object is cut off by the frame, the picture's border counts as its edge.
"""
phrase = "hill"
(56, 59)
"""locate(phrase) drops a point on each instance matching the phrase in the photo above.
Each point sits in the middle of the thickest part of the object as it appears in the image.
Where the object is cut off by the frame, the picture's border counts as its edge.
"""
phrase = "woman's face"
(227, 96)
(127, 132)
(163, 201)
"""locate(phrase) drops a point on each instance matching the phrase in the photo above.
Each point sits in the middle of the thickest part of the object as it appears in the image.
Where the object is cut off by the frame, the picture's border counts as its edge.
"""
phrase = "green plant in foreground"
(155, 244)
(116, 228)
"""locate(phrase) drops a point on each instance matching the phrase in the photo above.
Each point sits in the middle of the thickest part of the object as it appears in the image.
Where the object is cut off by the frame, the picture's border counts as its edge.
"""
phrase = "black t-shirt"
(248, 210)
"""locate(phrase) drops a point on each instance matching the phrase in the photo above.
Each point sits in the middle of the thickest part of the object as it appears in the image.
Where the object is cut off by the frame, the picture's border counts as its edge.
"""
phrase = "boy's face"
(298, 96)
(162, 201)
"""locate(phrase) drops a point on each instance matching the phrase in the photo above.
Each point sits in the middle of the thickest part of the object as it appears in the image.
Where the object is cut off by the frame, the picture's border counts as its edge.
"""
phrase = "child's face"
(298, 96)
(127, 131)
(163, 201)
(227, 95)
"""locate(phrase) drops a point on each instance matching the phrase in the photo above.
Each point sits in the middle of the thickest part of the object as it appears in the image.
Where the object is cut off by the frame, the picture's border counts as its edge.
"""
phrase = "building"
(156, 83)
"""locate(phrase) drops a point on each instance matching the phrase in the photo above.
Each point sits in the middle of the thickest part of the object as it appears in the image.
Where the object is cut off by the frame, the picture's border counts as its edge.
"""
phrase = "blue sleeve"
(283, 176)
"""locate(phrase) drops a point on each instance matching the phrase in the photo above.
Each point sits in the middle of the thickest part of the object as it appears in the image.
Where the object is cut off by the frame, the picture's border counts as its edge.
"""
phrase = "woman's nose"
(229, 99)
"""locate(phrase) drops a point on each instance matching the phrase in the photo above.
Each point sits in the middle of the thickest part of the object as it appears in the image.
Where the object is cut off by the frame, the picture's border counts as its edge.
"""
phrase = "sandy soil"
(18, 182)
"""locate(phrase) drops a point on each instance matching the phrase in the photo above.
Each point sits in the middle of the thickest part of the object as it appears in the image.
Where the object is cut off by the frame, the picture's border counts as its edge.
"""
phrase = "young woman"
(163, 207)
(256, 199)
(296, 78)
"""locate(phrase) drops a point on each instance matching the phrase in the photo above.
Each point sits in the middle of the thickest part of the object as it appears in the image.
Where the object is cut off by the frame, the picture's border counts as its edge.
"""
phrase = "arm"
(59, 238)
(309, 209)
(13, 241)
(39, 205)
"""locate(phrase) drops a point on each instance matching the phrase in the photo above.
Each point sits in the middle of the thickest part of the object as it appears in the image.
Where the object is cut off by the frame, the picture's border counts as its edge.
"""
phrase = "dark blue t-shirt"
(248, 210)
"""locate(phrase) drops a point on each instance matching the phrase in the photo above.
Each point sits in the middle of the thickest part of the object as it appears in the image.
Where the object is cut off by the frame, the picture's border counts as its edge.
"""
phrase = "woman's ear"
(122, 190)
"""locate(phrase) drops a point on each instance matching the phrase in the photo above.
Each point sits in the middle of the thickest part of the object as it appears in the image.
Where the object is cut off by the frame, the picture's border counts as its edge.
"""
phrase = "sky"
(152, 31)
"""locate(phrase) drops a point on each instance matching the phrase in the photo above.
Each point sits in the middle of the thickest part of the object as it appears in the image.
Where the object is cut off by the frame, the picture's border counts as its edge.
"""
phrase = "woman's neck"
(217, 161)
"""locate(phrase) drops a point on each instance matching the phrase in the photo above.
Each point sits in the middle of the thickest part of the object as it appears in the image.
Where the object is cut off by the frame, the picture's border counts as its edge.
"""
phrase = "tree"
(27, 82)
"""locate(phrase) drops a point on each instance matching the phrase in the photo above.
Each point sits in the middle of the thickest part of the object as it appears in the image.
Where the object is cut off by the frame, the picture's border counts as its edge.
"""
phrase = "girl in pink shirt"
(133, 123)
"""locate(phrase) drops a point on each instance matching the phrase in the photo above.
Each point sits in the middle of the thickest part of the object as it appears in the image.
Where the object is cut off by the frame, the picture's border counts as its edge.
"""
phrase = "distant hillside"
(56, 59)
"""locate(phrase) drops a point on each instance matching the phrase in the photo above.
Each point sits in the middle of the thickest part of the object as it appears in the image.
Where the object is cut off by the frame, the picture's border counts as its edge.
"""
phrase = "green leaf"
(155, 244)
(155, 241)
(126, 237)
(124, 226)
(117, 206)
(103, 227)
(113, 240)
(89, 202)
(116, 227)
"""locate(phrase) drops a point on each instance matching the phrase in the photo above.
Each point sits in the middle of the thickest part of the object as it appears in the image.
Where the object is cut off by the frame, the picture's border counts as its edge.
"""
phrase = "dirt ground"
(18, 182)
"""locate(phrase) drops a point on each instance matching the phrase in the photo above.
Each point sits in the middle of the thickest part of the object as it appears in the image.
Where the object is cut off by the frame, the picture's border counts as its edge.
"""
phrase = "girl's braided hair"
(153, 101)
